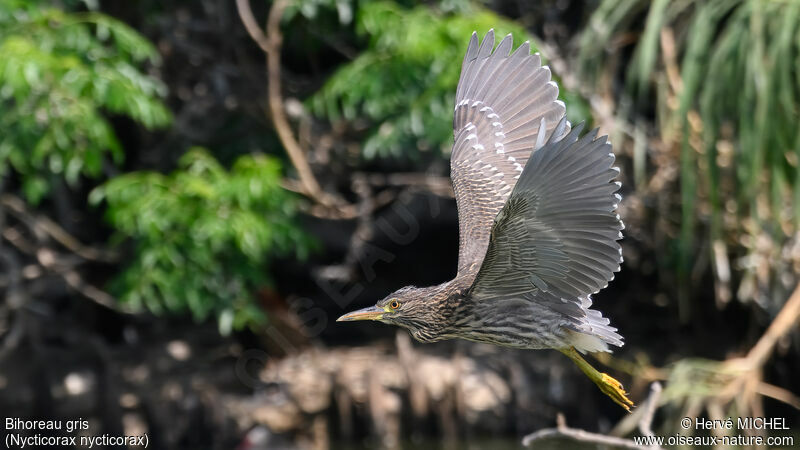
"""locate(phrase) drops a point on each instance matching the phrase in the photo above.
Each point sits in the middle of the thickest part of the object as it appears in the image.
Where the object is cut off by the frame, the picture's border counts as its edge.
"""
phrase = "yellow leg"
(605, 382)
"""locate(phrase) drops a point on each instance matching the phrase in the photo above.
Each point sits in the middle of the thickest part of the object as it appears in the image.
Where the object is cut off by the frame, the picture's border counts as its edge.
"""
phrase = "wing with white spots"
(506, 106)
(556, 236)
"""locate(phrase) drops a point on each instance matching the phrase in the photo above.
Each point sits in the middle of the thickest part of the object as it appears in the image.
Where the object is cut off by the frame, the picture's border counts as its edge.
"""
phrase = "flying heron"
(538, 229)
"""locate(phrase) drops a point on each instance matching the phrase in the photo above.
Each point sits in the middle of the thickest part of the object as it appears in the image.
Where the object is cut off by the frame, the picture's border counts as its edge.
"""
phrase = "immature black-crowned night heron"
(537, 221)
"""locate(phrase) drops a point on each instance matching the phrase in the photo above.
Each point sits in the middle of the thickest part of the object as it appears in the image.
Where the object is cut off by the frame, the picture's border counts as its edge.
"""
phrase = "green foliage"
(738, 65)
(203, 235)
(312, 9)
(60, 74)
(404, 82)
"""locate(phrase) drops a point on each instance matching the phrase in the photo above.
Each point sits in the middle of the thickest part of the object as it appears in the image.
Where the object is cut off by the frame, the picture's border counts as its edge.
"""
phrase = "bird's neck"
(446, 306)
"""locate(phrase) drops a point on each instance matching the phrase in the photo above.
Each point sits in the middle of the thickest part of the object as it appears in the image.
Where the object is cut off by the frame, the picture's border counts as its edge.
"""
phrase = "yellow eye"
(394, 304)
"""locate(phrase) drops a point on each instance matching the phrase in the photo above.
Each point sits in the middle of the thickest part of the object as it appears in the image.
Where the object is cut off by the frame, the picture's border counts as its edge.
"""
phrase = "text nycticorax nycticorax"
(537, 221)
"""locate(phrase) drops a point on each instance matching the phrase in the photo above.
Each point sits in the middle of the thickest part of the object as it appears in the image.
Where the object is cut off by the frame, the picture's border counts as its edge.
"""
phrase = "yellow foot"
(610, 386)
(613, 388)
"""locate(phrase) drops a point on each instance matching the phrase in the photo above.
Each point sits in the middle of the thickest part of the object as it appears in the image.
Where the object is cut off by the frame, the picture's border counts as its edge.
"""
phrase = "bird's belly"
(517, 327)
(509, 340)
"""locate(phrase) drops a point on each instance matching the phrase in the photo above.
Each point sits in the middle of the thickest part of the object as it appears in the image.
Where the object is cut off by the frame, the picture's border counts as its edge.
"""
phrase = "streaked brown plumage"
(537, 224)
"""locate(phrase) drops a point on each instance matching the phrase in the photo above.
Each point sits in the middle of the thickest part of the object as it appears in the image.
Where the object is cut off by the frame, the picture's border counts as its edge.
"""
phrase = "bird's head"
(410, 307)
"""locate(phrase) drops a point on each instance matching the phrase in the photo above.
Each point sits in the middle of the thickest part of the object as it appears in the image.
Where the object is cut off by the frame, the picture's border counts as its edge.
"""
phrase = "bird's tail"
(593, 332)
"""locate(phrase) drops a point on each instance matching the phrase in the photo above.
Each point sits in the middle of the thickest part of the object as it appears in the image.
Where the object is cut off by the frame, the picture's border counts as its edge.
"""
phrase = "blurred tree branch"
(715, 386)
(42, 224)
(742, 378)
(47, 258)
(695, 385)
(783, 323)
(563, 431)
(327, 205)
(271, 43)
(749, 379)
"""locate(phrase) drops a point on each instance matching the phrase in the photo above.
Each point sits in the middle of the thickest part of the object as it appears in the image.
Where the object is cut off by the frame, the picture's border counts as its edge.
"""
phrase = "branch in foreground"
(564, 432)
(786, 319)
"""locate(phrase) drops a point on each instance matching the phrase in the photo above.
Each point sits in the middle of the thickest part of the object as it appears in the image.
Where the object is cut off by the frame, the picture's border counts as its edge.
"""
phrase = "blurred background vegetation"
(180, 224)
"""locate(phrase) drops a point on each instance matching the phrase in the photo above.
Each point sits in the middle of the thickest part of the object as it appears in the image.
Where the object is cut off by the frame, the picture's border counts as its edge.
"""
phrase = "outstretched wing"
(556, 236)
(506, 106)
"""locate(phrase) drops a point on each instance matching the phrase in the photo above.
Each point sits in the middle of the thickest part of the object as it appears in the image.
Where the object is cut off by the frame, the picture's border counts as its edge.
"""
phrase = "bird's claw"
(613, 388)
